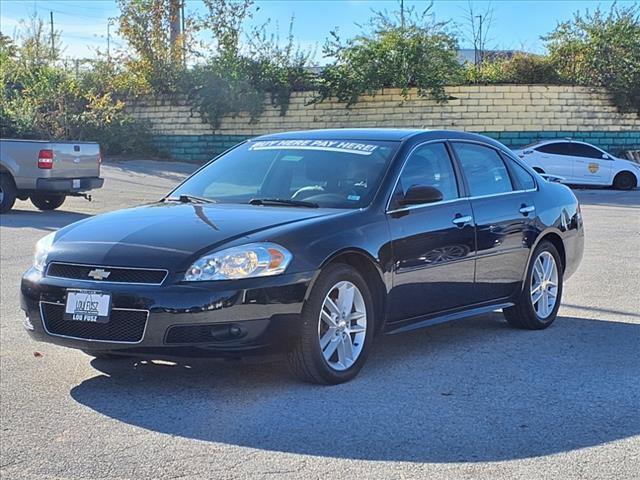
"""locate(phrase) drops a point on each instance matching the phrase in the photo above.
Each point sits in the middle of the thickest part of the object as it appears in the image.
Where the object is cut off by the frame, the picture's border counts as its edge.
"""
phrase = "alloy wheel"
(342, 325)
(544, 284)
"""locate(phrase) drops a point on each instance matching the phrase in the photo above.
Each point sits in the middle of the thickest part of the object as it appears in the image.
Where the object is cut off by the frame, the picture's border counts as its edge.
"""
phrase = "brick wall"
(513, 114)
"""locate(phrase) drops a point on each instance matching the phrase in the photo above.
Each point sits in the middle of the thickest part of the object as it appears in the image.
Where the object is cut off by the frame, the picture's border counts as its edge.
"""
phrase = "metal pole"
(480, 45)
(53, 44)
(184, 36)
(108, 41)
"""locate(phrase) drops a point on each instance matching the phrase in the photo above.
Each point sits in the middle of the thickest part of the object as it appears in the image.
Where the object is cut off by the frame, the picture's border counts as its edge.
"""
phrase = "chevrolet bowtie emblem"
(99, 274)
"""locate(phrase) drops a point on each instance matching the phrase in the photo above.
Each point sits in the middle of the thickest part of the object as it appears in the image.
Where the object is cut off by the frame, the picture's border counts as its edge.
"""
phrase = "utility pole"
(402, 14)
(174, 28)
(184, 36)
(479, 58)
(53, 38)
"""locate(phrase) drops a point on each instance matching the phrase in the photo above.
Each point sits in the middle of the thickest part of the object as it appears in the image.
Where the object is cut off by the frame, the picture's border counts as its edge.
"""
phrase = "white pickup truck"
(47, 172)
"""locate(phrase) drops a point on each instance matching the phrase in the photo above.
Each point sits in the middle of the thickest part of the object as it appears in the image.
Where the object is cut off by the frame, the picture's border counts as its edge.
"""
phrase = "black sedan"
(312, 243)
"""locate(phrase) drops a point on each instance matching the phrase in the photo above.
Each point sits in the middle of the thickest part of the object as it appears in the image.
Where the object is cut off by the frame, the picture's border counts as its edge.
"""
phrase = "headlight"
(42, 250)
(246, 261)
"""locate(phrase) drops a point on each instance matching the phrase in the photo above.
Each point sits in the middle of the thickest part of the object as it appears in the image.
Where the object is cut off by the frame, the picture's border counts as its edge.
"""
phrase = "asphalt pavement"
(470, 399)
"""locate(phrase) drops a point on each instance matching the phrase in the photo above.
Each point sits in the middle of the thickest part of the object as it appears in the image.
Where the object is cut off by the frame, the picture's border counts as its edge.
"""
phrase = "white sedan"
(580, 163)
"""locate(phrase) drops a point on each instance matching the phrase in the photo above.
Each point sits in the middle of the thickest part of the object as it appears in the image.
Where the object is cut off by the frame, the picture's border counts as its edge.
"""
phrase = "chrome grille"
(144, 276)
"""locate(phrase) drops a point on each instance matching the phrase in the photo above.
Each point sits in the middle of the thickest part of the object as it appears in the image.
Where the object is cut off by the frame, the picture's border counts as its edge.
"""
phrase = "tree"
(402, 49)
(148, 27)
(601, 49)
(478, 26)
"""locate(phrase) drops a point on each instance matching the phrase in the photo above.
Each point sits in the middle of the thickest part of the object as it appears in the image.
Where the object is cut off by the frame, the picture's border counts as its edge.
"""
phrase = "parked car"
(47, 172)
(580, 163)
(312, 242)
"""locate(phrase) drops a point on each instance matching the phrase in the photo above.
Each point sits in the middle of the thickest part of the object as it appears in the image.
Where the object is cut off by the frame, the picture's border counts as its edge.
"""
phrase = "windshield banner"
(326, 145)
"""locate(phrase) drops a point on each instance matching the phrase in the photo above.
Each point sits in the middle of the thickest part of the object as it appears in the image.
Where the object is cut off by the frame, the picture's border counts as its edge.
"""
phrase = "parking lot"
(472, 399)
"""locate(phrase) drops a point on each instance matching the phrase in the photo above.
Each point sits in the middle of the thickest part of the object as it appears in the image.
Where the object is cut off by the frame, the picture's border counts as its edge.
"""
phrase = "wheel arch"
(5, 171)
(553, 236)
(371, 271)
(624, 172)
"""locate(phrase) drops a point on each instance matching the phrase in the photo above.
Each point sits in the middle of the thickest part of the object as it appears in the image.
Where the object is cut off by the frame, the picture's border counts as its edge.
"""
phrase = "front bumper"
(66, 185)
(204, 318)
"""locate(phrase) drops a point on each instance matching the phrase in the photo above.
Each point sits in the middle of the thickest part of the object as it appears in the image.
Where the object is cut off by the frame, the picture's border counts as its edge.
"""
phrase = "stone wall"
(513, 114)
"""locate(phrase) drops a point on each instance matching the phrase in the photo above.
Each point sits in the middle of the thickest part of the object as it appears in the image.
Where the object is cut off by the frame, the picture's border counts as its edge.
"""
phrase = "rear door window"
(559, 148)
(524, 178)
(484, 169)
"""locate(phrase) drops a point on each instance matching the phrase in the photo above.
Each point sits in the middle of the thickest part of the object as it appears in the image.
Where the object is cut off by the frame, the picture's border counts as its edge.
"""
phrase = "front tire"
(624, 181)
(538, 304)
(337, 328)
(47, 201)
(8, 193)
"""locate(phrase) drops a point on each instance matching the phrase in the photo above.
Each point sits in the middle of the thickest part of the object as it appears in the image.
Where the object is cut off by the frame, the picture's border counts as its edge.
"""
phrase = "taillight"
(45, 159)
(99, 157)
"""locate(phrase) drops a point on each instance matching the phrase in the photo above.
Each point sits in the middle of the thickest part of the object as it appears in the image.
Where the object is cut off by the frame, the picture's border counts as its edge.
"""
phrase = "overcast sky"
(515, 25)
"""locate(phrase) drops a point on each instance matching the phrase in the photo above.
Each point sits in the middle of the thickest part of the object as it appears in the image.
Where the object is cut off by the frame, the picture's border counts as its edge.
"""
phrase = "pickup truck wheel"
(8, 193)
(47, 201)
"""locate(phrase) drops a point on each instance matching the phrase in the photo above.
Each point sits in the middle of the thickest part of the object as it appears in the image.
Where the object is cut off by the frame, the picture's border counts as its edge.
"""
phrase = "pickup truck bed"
(47, 172)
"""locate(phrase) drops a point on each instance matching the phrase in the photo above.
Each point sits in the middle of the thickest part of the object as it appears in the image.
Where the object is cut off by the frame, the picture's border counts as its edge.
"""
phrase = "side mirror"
(606, 157)
(419, 194)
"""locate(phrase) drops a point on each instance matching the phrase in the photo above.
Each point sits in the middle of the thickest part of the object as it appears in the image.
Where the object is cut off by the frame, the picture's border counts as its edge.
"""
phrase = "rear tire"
(8, 193)
(624, 181)
(538, 304)
(337, 328)
(47, 201)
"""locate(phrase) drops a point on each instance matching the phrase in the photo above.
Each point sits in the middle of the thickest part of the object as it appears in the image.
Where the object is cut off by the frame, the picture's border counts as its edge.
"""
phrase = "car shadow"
(40, 220)
(608, 197)
(466, 392)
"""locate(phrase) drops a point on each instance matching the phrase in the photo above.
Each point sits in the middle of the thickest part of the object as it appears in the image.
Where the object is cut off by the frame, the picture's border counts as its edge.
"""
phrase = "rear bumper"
(213, 318)
(66, 185)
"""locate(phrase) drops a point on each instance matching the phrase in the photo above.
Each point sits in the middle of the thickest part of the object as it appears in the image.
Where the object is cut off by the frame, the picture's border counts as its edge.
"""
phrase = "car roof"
(388, 134)
(557, 140)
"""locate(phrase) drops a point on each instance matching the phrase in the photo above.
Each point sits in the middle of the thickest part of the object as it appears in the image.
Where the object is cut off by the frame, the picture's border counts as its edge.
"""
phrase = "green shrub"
(40, 99)
(406, 52)
(603, 50)
(522, 68)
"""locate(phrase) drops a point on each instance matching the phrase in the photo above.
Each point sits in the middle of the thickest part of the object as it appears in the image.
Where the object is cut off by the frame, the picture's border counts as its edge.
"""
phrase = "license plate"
(76, 183)
(87, 306)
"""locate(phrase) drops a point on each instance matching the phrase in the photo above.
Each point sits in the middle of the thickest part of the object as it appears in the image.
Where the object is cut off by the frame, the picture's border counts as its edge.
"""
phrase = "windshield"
(324, 173)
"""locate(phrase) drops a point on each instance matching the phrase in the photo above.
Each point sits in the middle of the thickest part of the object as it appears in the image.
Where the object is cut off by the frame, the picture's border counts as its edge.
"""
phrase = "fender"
(535, 244)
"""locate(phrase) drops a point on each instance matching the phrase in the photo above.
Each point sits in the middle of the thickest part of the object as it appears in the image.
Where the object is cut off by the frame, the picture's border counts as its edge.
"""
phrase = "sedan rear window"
(328, 173)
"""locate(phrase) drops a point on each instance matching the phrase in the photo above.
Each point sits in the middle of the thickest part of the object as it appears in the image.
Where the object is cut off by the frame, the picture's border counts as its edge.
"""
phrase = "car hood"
(167, 235)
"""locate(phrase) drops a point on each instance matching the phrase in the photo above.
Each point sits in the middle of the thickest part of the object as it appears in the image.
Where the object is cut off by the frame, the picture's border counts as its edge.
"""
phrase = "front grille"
(116, 274)
(123, 325)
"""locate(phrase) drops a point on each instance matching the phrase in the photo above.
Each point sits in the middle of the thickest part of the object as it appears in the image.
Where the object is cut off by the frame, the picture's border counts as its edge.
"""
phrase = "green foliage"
(40, 99)
(235, 80)
(145, 26)
(401, 50)
(522, 68)
(601, 49)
